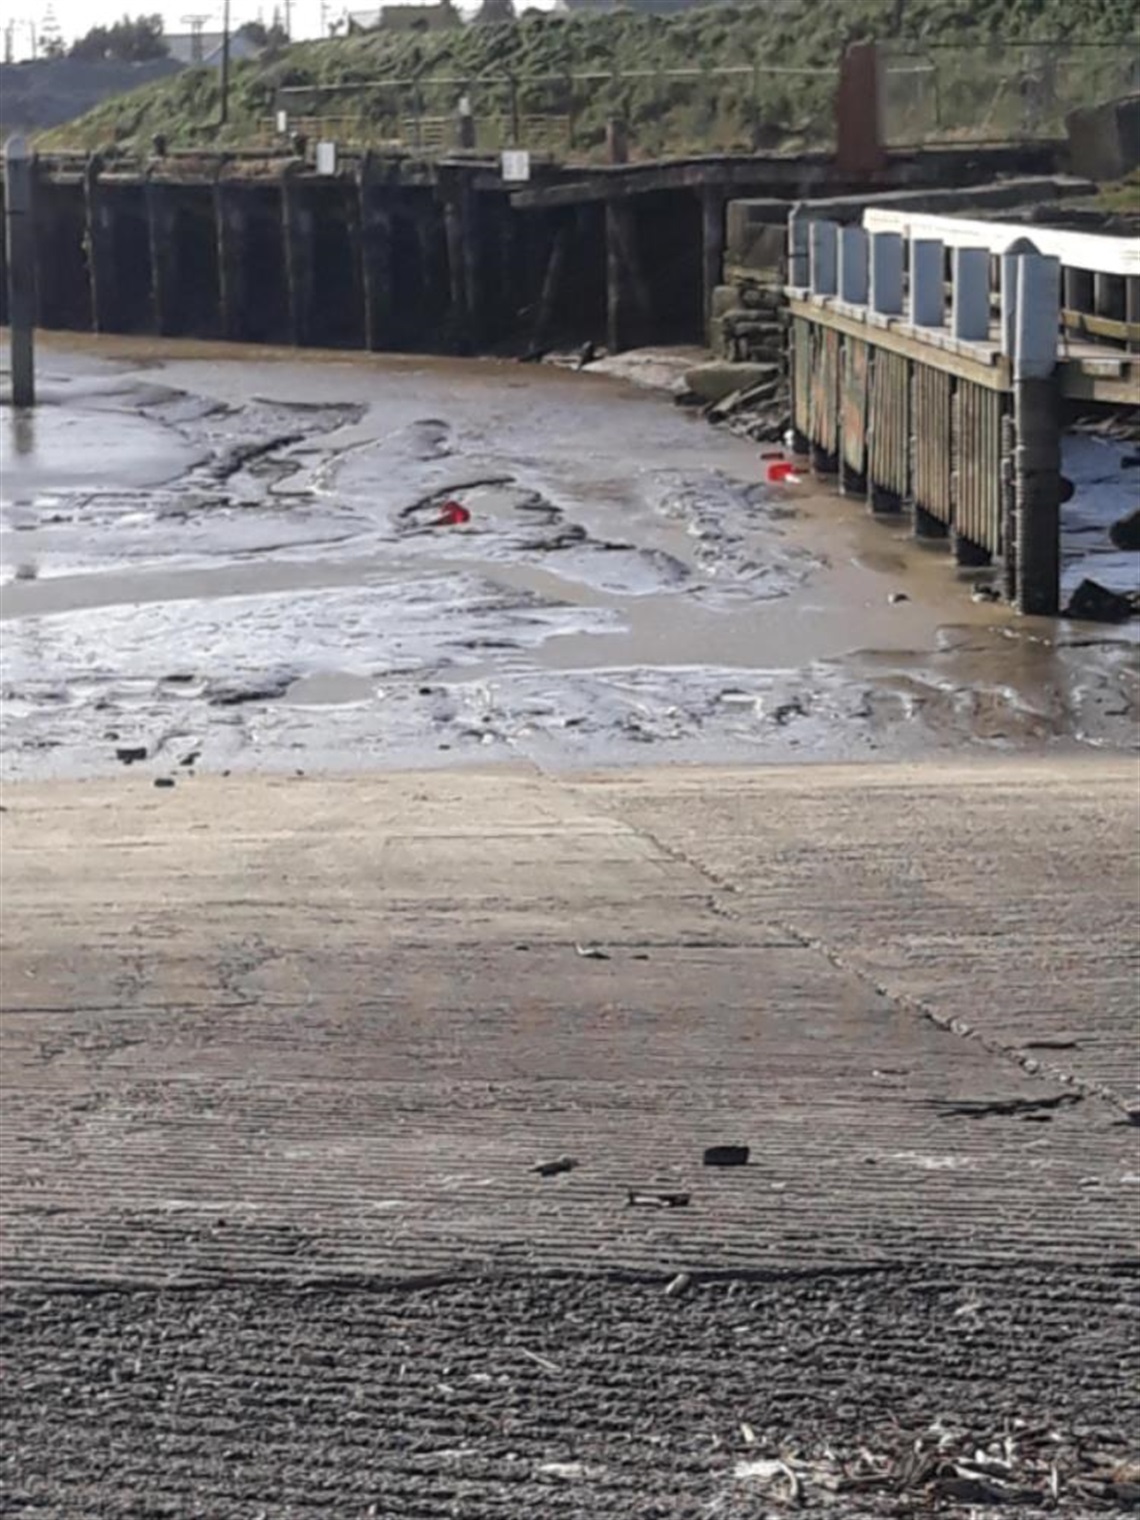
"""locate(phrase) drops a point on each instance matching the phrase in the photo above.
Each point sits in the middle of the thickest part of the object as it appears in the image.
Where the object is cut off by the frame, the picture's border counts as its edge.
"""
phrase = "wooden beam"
(100, 253)
(995, 375)
(297, 233)
(617, 297)
(712, 247)
(375, 258)
(161, 230)
(761, 176)
(559, 250)
(229, 234)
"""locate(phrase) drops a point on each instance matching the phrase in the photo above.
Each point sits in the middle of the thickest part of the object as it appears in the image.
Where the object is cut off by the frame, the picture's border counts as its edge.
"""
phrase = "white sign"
(283, 122)
(326, 158)
(516, 165)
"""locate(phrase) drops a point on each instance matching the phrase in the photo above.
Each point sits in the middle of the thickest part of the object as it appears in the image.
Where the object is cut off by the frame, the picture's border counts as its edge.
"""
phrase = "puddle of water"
(331, 688)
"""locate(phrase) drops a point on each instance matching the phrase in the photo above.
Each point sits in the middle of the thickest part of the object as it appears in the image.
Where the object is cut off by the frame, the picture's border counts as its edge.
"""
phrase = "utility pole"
(225, 111)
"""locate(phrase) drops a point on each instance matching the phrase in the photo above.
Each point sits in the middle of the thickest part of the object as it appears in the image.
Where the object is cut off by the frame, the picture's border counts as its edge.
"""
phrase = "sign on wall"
(516, 165)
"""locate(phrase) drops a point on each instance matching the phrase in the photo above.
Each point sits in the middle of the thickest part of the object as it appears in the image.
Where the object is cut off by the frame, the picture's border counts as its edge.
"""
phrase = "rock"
(1104, 139)
(638, 1198)
(164, 781)
(713, 382)
(1094, 603)
(726, 1155)
(896, 597)
(762, 297)
(1125, 533)
(130, 753)
(554, 1168)
(263, 689)
(678, 1285)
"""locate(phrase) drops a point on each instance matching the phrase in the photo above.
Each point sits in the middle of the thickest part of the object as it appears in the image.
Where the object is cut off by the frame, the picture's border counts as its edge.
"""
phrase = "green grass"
(664, 113)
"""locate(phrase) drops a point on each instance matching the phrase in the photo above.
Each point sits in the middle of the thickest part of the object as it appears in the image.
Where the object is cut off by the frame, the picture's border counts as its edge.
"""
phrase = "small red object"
(451, 514)
(781, 470)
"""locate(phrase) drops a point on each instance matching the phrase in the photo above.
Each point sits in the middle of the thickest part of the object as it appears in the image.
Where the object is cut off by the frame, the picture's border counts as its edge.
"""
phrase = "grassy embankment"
(978, 86)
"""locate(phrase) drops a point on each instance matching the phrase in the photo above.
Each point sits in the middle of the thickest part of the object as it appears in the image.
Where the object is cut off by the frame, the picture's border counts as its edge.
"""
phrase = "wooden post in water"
(100, 247)
(712, 249)
(375, 257)
(19, 237)
(617, 296)
(461, 228)
(473, 262)
(627, 294)
(229, 230)
(297, 234)
(455, 233)
(160, 225)
(559, 252)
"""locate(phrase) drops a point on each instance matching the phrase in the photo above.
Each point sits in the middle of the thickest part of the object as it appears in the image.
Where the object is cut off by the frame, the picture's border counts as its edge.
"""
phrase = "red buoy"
(451, 514)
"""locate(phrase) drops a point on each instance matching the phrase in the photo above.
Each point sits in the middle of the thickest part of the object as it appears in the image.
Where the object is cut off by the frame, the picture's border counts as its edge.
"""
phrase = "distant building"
(204, 49)
(405, 18)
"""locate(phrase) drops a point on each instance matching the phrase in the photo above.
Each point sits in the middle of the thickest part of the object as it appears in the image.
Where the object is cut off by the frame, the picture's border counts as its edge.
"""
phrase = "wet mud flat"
(225, 561)
(904, 1392)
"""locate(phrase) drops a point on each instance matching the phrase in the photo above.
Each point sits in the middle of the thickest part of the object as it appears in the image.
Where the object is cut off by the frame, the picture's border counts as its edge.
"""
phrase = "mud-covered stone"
(1091, 602)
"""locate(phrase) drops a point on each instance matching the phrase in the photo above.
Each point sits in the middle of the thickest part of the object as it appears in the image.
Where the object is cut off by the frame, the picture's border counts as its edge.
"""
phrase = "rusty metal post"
(858, 112)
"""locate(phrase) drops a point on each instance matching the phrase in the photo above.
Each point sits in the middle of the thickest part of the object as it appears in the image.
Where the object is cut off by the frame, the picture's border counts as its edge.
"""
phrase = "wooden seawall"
(930, 365)
(404, 253)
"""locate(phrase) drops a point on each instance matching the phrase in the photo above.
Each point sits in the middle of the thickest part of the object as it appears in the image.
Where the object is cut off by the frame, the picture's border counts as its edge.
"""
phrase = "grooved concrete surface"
(267, 1040)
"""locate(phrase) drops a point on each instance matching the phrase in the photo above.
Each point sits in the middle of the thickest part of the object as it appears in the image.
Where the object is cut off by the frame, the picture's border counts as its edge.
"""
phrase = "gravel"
(898, 1391)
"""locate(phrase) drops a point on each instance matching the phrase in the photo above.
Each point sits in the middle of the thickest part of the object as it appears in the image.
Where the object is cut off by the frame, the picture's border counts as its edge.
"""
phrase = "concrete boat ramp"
(354, 1139)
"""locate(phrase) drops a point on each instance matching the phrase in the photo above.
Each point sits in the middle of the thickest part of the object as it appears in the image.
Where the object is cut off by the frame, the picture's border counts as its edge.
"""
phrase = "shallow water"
(230, 554)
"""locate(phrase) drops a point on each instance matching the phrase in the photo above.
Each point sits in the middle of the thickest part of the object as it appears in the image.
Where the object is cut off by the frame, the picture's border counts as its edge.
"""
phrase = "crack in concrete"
(903, 1002)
